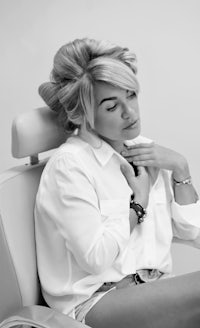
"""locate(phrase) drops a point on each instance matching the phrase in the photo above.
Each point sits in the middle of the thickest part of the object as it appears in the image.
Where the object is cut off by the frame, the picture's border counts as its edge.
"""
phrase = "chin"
(132, 134)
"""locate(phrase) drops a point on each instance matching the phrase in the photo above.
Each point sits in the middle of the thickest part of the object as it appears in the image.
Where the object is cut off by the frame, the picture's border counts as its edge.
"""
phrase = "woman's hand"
(151, 154)
(139, 184)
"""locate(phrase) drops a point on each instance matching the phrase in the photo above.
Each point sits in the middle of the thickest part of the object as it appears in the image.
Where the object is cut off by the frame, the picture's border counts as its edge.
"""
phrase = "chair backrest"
(32, 132)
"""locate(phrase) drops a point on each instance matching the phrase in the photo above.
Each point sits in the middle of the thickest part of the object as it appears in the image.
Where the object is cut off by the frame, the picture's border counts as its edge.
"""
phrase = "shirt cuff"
(188, 214)
(186, 220)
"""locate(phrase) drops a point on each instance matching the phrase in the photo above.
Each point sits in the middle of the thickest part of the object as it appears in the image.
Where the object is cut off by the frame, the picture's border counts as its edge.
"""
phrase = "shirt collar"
(101, 149)
(104, 153)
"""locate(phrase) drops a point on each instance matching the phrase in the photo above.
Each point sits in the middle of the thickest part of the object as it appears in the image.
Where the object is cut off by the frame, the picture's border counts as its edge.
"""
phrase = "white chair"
(21, 302)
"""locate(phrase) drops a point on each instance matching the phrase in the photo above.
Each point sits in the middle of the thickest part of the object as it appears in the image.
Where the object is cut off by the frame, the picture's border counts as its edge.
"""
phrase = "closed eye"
(111, 109)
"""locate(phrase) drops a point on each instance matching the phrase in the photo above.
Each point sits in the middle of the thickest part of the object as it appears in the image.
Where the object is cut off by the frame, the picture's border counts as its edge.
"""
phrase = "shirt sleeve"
(186, 221)
(95, 243)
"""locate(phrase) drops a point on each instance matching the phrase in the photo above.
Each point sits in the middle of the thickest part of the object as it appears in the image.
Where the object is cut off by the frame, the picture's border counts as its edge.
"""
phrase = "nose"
(128, 112)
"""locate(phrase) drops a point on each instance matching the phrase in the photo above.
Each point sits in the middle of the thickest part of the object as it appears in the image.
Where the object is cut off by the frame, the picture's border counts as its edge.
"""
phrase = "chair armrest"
(40, 317)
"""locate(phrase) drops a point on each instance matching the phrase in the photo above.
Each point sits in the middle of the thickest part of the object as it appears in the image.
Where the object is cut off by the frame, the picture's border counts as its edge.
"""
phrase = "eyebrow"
(110, 98)
(106, 99)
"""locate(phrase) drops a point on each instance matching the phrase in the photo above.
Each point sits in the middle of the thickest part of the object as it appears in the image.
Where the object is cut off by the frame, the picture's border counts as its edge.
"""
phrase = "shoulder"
(72, 149)
(72, 155)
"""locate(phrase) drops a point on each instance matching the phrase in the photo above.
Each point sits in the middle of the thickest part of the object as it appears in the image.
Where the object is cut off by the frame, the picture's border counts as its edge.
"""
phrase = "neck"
(117, 145)
(91, 137)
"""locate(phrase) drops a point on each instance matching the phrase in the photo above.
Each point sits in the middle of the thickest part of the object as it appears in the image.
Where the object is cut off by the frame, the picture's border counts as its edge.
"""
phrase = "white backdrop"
(165, 35)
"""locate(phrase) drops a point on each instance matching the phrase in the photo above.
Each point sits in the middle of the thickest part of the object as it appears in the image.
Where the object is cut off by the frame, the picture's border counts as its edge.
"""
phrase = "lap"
(172, 302)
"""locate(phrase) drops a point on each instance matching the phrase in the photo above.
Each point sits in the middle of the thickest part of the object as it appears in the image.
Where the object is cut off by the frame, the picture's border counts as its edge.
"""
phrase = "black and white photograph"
(99, 169)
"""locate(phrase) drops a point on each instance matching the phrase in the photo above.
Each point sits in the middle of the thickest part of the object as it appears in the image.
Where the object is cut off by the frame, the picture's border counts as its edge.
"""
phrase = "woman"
(105, 227)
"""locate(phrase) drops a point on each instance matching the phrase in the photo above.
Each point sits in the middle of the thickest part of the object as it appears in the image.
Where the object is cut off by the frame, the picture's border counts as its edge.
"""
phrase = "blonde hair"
(77, 66)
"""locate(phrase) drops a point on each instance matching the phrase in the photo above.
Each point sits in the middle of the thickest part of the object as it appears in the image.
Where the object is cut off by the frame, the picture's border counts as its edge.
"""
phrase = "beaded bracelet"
(187, 181)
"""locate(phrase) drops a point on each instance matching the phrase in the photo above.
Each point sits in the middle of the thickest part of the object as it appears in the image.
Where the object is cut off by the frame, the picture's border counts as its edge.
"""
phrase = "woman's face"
(116, 113)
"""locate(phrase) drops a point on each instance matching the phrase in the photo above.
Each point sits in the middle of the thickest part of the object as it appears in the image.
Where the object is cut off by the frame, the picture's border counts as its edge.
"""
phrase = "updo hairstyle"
(77, 66)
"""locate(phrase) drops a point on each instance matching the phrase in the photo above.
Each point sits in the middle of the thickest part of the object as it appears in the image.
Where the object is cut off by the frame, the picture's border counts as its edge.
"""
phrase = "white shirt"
(82, 223)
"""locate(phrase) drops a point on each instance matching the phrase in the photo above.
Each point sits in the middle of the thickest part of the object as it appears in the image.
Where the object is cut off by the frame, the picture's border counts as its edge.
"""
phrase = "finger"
(141, 145)
(136, 158)
(143, 157)
(136, 151)
(144, 163)
(128, 173)
(141, 170)
(127, 170)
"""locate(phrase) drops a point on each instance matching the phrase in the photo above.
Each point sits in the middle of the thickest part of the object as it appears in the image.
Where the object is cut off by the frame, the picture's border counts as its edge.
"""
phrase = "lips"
(131, 125)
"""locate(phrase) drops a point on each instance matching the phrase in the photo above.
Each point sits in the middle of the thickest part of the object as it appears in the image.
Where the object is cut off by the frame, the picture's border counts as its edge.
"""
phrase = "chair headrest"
(36, 131)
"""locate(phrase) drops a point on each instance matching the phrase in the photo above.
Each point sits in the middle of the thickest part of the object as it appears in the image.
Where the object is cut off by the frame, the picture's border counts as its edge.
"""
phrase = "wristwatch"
(139, 210)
